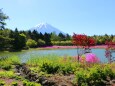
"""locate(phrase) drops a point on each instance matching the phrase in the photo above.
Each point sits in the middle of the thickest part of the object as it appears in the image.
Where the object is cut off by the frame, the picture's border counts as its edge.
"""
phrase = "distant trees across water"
(18, 40)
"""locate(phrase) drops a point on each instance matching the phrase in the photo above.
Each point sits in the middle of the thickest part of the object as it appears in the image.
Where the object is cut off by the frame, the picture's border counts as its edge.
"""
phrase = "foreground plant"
(27, 83)
(7, 74)
(95, 76)
(2, 83)
(7, 63)
(54, 65)
(14, 84)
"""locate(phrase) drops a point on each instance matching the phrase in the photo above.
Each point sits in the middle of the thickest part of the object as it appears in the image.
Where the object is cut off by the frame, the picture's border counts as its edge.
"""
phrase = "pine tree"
(3, 17)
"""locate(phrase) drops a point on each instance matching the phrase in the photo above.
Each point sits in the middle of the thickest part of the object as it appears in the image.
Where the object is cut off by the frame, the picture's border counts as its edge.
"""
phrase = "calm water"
(24, 55)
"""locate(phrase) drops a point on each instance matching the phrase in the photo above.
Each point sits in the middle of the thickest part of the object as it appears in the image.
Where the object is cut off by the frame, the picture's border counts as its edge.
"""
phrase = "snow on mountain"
(45, 27)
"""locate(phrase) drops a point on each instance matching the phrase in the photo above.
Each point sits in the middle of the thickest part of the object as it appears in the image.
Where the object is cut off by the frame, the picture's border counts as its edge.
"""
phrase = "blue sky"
(79, 16)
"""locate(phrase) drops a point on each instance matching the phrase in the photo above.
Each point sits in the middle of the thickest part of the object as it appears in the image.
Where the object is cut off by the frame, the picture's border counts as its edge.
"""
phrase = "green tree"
(68, 37)
(3, 17)
(4, 33)
(54, 37)
(19, 40)
(47, 39)
(35, 35)
(41, 42)
(62, 37)
(41, 36)
(4, 42)
(22, 40)
(4, 39)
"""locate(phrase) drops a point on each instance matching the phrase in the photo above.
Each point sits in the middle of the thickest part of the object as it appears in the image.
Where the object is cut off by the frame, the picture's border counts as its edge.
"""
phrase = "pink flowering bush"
(89, 58)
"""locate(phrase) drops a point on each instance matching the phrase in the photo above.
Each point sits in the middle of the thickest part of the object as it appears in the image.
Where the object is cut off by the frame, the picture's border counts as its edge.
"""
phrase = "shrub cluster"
(52, 65)
(6, 63)
(95, 76)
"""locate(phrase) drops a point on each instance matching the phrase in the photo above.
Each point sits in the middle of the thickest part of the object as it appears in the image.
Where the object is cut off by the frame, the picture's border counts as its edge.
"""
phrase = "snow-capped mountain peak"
(45, 27)
(41, 25)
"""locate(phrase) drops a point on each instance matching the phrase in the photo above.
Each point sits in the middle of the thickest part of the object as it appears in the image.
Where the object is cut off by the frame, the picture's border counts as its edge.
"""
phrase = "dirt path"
(62, 80)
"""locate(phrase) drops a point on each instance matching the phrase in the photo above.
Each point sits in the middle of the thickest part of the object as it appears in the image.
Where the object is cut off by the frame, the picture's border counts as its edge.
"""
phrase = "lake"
(25, 55)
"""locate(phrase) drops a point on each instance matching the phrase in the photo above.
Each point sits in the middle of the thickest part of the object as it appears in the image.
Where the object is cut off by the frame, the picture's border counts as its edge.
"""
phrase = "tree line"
(18, 40)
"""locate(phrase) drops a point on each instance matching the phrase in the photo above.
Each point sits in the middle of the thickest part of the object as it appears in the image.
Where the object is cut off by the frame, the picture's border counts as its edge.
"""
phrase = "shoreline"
(63, 47)
(72, 47)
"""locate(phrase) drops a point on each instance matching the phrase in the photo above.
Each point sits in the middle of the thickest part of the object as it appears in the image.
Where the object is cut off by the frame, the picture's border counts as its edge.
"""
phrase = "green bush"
(31, 43)
(6, 67)
(52, 65)
(27, 83)
(14, 84)
(2, 83)
(94, 76)
(7, 63)
(7, 74)
(67, 68)
(50, 68)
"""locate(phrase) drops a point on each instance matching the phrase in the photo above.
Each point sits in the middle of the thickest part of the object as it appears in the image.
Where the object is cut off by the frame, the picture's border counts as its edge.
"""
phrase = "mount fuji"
(46, 28)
